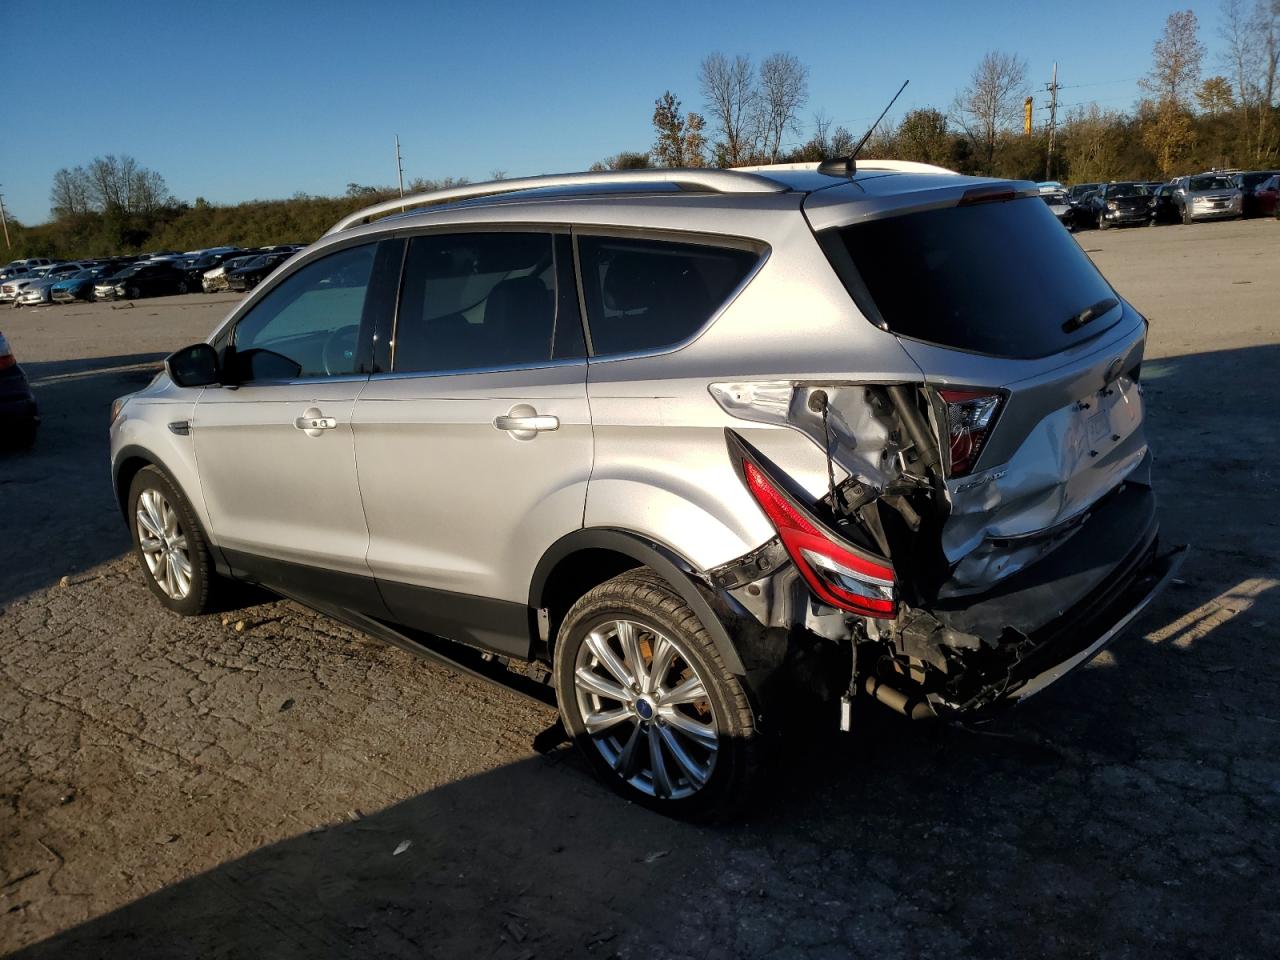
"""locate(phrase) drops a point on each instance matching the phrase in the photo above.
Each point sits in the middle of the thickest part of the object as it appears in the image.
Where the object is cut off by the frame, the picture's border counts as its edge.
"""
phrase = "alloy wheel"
(645, 709)
(163, 544)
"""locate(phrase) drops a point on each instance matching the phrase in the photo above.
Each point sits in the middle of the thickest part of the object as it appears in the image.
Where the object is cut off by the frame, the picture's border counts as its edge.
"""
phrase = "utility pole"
(5, 221)
(399, 166)
(1052, 87)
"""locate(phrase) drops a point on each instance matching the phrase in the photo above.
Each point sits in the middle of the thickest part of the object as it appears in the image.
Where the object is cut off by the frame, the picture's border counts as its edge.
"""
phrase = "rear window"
(1000, 278)
(646, 294)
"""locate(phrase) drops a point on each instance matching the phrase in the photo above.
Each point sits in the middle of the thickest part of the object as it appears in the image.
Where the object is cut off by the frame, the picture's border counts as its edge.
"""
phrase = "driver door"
(274, 447)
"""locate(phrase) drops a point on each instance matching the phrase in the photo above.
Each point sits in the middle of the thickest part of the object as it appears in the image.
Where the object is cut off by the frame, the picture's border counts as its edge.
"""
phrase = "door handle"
(535, 423)
(523, 422)
(313, 422)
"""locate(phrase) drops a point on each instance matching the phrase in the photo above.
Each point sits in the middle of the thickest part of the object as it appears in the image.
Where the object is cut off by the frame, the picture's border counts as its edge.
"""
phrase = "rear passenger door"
(474, 451)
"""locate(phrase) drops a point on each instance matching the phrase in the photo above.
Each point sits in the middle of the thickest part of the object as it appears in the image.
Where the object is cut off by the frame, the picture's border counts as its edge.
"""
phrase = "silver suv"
(687, 451)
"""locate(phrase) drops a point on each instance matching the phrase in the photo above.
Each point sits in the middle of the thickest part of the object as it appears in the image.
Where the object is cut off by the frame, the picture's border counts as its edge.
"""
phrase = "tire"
(1186, 217)
(132, 293)
(1102, 223)
(182, 287)
(708, 750)
(182, 539)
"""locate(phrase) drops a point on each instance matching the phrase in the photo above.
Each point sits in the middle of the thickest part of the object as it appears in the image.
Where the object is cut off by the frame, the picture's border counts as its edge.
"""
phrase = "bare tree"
(992, 102)
(71, 194)
(147, 192)
(784, 90)
(733, 104)
(1176, 60)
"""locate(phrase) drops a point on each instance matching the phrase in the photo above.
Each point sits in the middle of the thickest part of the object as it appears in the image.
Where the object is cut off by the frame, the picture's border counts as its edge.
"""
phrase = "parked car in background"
(256, 270)
(1120, 204)
(12, 288)
(216, 279)
(1060, 207)
(1247, 182)
(205, 262)
(690, 518)
(79, 286)
(1207, 196)
(1161, 207)
(1077, 193)
(37, 292)
(150, 278)
(1265, 197)
(19, 414)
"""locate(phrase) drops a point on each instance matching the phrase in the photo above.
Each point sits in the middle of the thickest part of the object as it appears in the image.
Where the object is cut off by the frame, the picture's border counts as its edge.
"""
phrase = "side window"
(646, 294)
(477, 300)
(308, 325)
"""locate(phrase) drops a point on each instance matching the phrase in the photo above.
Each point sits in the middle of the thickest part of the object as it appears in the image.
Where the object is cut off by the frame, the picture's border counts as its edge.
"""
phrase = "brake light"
(7, 359)
(837, 575)
(970, 416)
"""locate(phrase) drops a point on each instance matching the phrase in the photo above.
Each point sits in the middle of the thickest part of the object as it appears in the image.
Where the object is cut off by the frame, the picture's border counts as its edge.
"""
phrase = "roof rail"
(898, 166)
(710, 179)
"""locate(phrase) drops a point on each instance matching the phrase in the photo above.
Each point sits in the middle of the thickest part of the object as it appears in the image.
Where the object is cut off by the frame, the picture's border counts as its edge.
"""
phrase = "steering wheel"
(339, 350)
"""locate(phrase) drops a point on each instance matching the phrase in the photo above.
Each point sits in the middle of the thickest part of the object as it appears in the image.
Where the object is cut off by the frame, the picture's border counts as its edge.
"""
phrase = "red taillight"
(836, 574)
(7, 360)
(970, 416)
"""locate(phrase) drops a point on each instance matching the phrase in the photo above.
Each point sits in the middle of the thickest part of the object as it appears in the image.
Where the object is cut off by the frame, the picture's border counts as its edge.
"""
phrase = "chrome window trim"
(466, 371)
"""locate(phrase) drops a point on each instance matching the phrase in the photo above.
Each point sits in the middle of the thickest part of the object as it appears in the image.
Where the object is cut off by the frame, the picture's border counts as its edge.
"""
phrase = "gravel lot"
(269, 783)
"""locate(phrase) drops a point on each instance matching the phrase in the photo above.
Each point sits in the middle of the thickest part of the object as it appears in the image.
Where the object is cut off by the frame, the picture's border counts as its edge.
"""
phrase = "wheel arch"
(586, 558)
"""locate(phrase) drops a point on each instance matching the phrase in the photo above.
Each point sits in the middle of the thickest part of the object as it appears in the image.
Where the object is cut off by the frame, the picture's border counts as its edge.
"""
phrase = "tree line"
(753, 113)
(1183, 121)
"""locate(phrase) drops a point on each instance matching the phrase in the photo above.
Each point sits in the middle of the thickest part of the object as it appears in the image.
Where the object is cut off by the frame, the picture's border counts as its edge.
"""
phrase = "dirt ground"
(271, 784)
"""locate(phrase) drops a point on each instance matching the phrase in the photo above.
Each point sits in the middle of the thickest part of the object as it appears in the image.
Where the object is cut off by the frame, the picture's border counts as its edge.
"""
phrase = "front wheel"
(645, 695)
(1186, 217)
(1102, 223)
(169, 544)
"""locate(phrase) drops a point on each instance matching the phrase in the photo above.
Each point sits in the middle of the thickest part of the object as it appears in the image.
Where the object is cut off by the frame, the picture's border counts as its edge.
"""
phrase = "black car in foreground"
(256, 270)
(19, 415)
(146, 279)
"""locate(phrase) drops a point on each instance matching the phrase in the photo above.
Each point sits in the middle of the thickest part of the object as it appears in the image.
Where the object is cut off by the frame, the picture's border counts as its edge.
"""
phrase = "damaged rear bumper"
(1056, 659)
(1020, 669)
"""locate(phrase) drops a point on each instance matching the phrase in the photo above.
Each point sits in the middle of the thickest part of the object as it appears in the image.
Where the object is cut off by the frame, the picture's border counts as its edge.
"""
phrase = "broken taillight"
(836, 574)
(970, 417)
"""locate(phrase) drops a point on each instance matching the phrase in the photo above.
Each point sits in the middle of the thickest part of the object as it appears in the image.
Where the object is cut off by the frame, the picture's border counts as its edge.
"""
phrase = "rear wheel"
(132, 293)
(170, 546)
(646, 696)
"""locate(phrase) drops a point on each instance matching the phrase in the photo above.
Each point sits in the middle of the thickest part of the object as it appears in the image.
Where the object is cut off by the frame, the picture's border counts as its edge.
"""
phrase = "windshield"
(999, 278)
(1126, 190)
(1210, 183)
(1054, 199)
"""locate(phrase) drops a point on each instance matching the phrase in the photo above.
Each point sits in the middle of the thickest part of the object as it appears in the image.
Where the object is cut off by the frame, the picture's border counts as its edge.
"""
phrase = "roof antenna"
(848, 166)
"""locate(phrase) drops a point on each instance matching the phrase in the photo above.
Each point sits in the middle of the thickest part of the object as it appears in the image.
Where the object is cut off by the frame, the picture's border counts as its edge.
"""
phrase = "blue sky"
(231, 101)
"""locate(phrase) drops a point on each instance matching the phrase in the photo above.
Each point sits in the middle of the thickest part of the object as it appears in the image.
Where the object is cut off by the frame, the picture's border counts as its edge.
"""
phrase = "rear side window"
(646, 294)
(473, 301)
(1000, 278)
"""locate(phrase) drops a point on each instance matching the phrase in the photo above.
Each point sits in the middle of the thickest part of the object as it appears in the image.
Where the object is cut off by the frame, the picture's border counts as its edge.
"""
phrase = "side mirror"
(193, 366)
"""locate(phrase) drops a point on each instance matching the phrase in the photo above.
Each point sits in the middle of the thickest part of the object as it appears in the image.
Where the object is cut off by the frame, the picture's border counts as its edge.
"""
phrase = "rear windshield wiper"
(1089, 314)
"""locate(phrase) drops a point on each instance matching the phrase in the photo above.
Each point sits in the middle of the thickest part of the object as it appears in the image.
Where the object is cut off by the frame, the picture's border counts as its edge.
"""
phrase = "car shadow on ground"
(1132, 810)
(59, 492)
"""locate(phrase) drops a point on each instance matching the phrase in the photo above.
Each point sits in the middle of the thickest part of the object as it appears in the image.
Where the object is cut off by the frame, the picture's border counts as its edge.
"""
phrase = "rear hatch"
(1031, 360)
